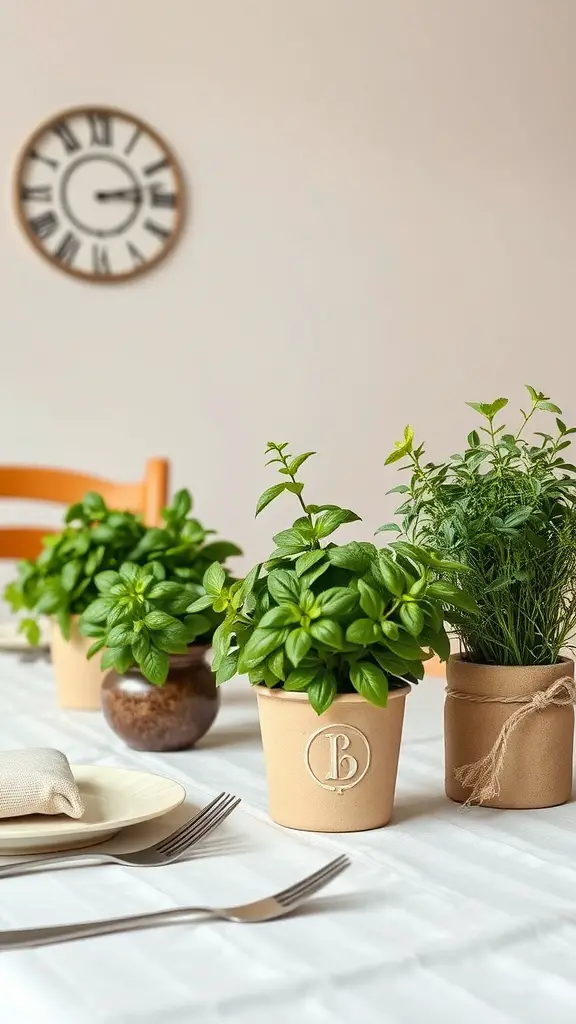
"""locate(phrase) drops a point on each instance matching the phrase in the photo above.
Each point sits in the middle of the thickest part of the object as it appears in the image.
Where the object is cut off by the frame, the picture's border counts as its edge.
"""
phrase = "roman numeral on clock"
(35, 155)
(156, 229)
(40, 193)
(160, 165)
(158, 197)
(44, 225)
(67, 138)
(100, 129)
(68, 248)
(136, 255)
(100, 260)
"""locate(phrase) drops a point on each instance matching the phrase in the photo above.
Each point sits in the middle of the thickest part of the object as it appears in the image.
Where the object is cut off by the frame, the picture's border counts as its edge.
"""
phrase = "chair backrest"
(35, 483)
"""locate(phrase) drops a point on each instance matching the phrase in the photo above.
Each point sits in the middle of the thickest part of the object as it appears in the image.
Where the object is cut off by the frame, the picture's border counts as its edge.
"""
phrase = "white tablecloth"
(446, 915)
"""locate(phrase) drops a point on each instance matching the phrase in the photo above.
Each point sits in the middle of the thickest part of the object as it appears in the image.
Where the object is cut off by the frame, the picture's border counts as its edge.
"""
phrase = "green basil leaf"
(159, 620)
(196, 625)
(300, 678)
(337, 601)
(96, 646)
(363, 632)
(228, 668)
(370, 682)
(297, 645)
(306, 561)
(70, 575)
(276, 663)
(120, 636)
(200, 604)
(298, 461)
(328, 522)
(31, 630)
(214, 579)
(322, 692)
(140, 647)
(328, 633)
(259, 646)
(392, 574)
(105, 580)
(269, 496)
(130, 572)
(284, 586)
(155, 665)
(406, 650)
(370, 601)
(283, 615)
(390, 629)
(412, 618)
(98, 610)
(451, 595)
(352, 556)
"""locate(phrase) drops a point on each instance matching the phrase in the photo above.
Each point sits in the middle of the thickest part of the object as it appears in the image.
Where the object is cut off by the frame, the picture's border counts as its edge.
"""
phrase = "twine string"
(483, 776)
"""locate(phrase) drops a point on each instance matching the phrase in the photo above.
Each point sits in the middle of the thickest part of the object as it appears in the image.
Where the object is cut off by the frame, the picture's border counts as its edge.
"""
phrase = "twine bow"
(483, 777)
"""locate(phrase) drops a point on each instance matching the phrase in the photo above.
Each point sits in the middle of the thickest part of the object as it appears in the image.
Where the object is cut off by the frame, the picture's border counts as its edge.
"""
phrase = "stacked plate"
(114, 798)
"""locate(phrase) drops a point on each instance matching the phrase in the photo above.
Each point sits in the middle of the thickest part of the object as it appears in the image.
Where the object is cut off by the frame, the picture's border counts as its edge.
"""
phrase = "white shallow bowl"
(114, 798)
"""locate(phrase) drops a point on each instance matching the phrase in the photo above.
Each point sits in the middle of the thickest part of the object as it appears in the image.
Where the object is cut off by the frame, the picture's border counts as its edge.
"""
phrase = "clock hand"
(134, 194)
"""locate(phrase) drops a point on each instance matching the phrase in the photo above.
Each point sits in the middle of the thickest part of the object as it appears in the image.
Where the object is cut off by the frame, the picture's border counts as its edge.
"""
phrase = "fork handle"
(54, 860)
(27, 938)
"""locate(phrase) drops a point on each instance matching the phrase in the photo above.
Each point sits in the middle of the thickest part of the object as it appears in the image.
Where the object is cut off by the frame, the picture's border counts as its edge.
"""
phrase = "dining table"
(448, 914)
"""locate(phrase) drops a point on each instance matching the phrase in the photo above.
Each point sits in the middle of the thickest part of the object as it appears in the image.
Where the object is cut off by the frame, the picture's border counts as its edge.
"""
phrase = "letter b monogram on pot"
(338, 757)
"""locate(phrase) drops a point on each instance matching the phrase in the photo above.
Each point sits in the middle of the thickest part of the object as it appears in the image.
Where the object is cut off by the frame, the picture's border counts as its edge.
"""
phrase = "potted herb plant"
(505, 508)
(162, 694)
(331, 637)
(60, 584)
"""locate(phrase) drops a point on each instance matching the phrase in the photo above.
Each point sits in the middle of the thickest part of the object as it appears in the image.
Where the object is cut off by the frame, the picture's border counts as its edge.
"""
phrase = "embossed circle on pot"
(338, 757)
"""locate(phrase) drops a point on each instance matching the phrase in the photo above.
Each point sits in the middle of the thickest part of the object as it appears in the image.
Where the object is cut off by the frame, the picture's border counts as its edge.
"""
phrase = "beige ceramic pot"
(78, 681)
(336, 772)
(535, 766)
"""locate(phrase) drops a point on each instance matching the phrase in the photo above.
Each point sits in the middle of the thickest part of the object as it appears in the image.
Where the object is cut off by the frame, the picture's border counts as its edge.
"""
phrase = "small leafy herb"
(67, 577)
(142, 612)
(328, 619)
(505, 508)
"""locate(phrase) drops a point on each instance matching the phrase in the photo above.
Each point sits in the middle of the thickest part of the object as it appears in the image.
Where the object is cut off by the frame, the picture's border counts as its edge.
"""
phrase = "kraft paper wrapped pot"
(536, 765)
(335, 772)
(78, 681)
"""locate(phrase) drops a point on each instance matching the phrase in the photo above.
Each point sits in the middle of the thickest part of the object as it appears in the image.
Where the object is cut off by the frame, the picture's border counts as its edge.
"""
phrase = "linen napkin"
(37, 781)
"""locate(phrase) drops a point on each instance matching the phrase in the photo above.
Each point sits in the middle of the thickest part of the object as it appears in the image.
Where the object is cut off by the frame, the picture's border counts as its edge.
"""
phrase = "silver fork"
(166, 851)
(247, 913)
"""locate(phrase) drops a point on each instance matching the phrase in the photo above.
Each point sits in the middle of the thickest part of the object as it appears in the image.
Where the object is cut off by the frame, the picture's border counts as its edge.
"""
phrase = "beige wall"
(384, 225)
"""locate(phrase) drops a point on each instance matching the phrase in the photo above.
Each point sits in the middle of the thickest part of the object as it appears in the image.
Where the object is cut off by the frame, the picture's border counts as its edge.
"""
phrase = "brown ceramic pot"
(78, 681)
(336, 772)
(169, 717)
(537, 765)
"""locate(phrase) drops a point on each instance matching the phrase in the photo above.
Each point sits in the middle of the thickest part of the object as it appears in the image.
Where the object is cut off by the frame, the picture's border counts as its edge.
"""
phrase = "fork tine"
(183, 828)
(209, 826)
(191, 826)
(314, 887)
(299, 889)
(204, 828)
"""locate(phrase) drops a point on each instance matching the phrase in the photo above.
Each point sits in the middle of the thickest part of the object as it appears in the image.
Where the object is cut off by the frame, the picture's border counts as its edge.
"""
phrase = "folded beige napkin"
(37, 781)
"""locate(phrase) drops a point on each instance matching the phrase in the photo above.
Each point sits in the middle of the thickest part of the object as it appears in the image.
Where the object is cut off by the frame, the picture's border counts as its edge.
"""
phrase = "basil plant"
(323, 618)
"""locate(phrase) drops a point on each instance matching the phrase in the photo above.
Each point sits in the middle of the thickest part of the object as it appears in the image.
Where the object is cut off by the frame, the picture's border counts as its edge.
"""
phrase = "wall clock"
(99, 194)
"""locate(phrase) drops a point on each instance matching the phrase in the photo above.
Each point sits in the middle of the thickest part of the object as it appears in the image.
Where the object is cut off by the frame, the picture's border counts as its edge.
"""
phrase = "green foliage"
(327, 619)
(77, 566)
(503, 511)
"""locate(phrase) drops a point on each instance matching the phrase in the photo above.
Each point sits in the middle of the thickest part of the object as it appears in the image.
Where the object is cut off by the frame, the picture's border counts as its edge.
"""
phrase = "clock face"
(99, 194)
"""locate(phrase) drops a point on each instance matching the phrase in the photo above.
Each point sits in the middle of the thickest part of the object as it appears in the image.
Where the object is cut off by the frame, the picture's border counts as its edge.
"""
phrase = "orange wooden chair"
(35, 483)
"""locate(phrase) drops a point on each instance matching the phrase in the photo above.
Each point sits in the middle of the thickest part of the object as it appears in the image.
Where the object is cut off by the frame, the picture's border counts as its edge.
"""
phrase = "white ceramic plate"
(114, 798)
(12, 640)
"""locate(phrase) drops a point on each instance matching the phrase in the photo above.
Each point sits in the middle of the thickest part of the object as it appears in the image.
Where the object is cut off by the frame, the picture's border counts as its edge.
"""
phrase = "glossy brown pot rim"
(461, 660)
(341, 698)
